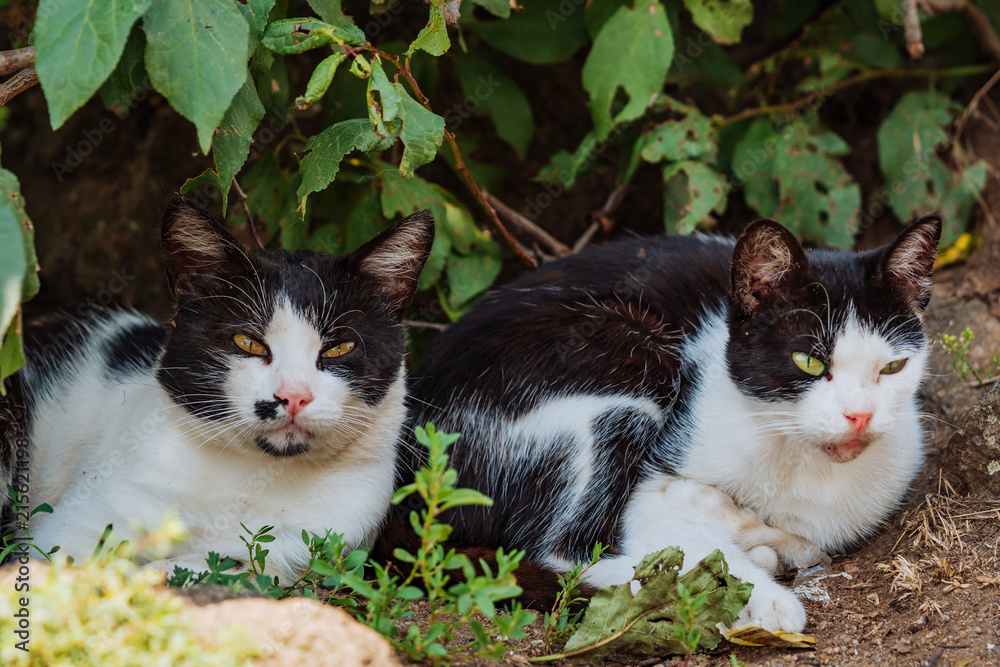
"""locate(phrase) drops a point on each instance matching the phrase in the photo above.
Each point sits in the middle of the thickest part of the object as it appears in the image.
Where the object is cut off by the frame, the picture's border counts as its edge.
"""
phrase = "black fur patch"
(134, 349)
(266, 410)
(290, 450)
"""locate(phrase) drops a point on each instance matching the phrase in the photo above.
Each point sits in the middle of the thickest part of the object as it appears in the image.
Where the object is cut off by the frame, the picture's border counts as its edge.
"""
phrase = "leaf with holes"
(325, 151)
(911, 142)
(434, 37)
(421, 131)
(690, 138)
(78, 43)
(196, 55)
(299, 35)
(692, 192)
(632, 51)
(724, 20)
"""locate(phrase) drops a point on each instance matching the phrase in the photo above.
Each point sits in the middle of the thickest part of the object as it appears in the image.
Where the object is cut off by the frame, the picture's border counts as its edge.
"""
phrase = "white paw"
(773, 608)
(764, 557)
(806, 555)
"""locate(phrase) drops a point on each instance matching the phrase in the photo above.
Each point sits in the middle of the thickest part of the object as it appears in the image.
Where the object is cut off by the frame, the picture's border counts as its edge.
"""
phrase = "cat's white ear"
(768, 262)
(195, 245)
(907, 262)
(395, 257)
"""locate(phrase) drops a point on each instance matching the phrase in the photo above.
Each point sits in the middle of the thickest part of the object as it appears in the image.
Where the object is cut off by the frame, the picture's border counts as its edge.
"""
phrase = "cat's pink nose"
(859, 421)
(294, 401)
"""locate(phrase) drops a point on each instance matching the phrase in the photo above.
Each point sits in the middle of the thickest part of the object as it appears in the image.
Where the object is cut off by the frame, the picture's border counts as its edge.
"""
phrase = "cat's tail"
(539, 582)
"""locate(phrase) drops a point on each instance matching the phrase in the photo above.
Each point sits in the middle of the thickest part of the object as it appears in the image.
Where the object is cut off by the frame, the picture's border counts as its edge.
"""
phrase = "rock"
(295, 632)
(972, 455)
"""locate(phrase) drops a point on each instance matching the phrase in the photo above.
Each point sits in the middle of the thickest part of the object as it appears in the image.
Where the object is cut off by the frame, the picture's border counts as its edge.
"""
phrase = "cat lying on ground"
(746, 396)
(274, 396)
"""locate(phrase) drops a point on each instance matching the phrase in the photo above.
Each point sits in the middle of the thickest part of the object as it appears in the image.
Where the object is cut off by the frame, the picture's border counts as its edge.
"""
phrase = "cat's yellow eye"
(339, 350)
(248, 344)
(808, 363)
(893, 367)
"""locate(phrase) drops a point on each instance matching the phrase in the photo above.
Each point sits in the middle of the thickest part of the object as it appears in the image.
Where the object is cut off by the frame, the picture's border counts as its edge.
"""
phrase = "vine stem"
(868, 75)
(404, 68)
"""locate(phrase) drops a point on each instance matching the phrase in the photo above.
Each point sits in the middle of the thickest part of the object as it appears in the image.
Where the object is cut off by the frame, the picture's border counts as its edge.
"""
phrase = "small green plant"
(11, 541)
(957, 349)
(562, 620)
(687, 633)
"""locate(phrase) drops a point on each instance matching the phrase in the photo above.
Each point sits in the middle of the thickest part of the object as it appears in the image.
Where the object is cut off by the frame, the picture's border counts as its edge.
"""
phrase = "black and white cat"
(274, 396)
(692, 391)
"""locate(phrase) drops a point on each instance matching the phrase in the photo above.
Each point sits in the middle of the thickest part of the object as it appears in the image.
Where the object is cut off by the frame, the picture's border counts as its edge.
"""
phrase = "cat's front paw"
(773, 608)
(806, 555)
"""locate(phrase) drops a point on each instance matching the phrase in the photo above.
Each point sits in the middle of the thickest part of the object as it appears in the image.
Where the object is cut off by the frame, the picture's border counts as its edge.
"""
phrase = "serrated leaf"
(794, 176)
(420, 130)
(434, 37)
(499, 97)
(724, 20)
(499, 8)
(543, 32)
(633, 52)
(331, 12)
(325, 151)
(231, 144)
(644, 623)
(78, 43)
(320, 80)
(692, 192)
(196, 56)
(910, 142)
(299, 35)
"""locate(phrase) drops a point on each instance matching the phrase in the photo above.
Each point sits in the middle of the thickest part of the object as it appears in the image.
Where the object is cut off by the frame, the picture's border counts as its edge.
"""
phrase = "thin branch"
(414, 324)
(965, 70)
(586, 237)
(246, 212)
(555, 246)
(17, 84)
(519, 250)
(963, 119)
(17, 59)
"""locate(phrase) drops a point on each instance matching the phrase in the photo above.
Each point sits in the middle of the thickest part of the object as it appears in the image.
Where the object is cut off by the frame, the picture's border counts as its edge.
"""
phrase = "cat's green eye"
(808, 363)
(893, 367)
(339, 350)
(248, 344)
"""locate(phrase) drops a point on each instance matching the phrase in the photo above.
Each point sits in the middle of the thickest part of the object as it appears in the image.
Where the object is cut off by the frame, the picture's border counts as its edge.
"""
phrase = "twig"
(17, 59)
(586, 237)
(17, 84)
(519, 250)
(246, 212)
(414, 324)
(911, 28)
(965, 70)
(555, 246)
(960, 125)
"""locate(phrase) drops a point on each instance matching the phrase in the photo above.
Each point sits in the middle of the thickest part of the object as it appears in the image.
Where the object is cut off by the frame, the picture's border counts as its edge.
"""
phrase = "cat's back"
(608, 318)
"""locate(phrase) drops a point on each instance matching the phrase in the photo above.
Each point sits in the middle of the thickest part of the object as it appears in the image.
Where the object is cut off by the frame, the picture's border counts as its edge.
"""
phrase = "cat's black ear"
(395, 257)
(195, 245)
(907, 262)
(768, 262)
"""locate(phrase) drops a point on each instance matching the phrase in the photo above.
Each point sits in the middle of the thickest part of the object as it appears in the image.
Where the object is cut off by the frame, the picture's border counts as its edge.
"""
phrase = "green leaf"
(78, 43)
(794, 176)
(325, 151)
(365, 220)
(469, 276)
(196, 55)
(289, 36)
(460, 497)
(724, 20)
(690, 138)
(255, 12)
(13, 202)
(320, 80)
(270, 195)
(692, 192)
(486, 86)
(421, 131)
(11, 351)
(129, 77)
(543, 32)
(331, 12)
(231, 144)
(645, 622)
(402, 196)
(434, 37)
(911, 141)
(499, 8)
(633, 52)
